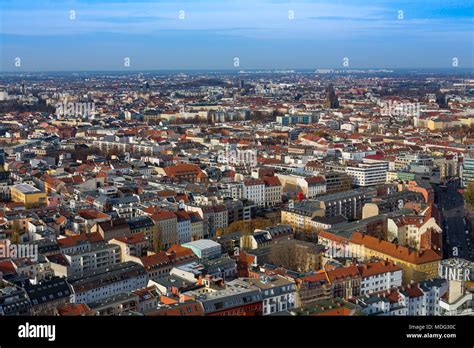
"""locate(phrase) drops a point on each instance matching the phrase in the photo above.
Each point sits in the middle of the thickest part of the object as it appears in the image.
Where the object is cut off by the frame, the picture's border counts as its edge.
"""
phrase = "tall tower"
(441, 100)
(332, 101)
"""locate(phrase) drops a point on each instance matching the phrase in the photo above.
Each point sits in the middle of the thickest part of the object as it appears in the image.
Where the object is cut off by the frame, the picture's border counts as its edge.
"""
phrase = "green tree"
(469, 194)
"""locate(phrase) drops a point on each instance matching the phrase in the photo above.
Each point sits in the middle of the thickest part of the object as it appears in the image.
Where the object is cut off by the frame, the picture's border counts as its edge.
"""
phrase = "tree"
(158, 239)
(469, 194)
(249, 226)
(292, 255)
(17, 231)
(281, 254)
(309, 234)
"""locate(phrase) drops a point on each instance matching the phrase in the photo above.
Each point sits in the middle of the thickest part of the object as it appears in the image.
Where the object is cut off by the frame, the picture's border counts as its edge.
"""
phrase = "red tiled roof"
(373, 268)
(394, 250)
(160, 258)
(74, 309)
(271, 181)
(343, 272)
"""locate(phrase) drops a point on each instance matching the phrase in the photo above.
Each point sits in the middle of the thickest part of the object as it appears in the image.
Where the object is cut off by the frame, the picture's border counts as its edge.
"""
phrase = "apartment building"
(416, 265)
(346, 203)
(417, 232)
(379, 276)
(278, 293)
(98, 255)
(467, 169)
(183, 226)
(235, 298)
(105, 282)
(273, 191)
(299, 215)
(167, 229)
(254, 190)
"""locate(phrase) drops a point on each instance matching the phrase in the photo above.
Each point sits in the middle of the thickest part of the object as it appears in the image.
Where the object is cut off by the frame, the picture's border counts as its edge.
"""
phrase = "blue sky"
(259, 32)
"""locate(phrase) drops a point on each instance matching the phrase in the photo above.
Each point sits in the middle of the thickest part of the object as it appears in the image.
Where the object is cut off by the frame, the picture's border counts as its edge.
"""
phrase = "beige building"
(167, 229)
(299, 214)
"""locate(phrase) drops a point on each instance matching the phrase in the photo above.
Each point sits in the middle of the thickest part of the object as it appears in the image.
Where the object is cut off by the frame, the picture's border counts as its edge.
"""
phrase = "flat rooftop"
(26, 188)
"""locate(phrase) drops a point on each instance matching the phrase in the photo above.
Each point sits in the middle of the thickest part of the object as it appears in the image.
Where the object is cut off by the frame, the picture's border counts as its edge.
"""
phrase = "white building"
(315, 186)
(205, 248)
(183, 227)
(273, 191)
(368, 174)
(254, 190)
(233, 189)
(99, 255)
(379, 276)
(106, 282)
(278, 293)
(420, 299)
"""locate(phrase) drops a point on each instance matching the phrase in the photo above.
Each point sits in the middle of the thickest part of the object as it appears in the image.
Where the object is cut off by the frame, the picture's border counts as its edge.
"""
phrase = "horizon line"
(236, 70)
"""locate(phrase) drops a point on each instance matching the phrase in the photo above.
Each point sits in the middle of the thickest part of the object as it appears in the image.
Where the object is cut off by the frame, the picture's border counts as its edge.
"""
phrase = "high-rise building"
(441, 100)
(368, 174)
(332, 101)
(2, 158)
(467, 170)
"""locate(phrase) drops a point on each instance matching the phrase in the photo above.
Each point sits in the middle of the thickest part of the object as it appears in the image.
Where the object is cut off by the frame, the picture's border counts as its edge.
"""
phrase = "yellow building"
(467, 121)
(416, 265)
(442, 123)
(300, 218)
(29, 195)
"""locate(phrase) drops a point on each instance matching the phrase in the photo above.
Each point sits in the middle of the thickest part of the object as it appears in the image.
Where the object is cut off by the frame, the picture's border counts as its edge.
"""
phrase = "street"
(456, 239)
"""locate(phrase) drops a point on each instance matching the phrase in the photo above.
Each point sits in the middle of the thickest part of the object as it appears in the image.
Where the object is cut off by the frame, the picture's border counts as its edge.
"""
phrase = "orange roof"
(373, 268)
(133, 239)
(160, 258)
(335, 312)
(183, 169)
(163, 215)
(91, 214)
(167, 300)
(7, 267)
(74, 309)
(394, 250)
(271, 181)
(60, 220)
(73, 240)
(343, 272)
(319, 276)
(333, 237)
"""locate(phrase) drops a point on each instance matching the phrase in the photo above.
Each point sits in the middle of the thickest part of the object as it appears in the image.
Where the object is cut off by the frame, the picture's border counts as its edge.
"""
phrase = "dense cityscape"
(237, 193)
